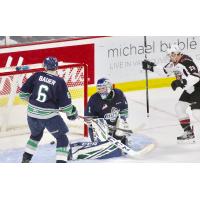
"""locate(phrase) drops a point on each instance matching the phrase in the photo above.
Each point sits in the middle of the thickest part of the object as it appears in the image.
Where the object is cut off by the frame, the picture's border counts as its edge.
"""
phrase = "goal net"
(13, 110)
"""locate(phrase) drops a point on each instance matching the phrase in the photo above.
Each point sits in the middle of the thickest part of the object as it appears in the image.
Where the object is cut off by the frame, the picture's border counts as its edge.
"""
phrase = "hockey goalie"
(109, 134)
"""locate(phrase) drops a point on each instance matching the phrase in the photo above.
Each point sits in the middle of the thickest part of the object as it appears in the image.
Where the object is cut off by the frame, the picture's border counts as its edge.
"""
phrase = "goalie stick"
(141, 126)
(128, 151)
(83, 144)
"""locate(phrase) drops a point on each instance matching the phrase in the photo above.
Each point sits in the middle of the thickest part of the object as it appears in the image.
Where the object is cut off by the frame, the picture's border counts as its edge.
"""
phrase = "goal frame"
(11, 71)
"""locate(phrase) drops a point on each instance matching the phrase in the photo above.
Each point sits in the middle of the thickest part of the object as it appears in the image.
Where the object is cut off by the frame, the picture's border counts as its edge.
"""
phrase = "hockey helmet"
(50, 63)
(174, 49)
(174, 53)
(104, 87)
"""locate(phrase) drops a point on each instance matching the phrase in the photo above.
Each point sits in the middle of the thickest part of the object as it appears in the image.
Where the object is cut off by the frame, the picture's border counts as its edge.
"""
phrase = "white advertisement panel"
(119, 58)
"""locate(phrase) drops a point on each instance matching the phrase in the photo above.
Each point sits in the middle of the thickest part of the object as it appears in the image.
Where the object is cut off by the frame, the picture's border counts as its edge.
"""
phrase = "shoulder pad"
(185, 58)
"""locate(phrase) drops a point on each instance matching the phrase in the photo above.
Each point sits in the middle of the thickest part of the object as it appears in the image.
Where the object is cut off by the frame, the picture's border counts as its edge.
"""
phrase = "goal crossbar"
(12, 72)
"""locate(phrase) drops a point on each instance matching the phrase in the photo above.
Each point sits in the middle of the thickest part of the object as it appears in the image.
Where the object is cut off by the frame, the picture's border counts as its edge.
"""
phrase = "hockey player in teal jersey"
(110, 107)
(47, 95)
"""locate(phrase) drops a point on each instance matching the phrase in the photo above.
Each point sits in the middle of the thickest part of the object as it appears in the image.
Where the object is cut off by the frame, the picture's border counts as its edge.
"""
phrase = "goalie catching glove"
(74, 114)
(121, 124)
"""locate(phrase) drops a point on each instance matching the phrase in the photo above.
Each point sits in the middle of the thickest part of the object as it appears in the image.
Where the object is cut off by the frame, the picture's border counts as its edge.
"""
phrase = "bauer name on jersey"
(108, 109)
(45, 94)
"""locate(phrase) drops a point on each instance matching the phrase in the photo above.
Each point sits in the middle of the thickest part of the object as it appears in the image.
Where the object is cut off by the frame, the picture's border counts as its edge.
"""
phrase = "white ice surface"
(162, 126)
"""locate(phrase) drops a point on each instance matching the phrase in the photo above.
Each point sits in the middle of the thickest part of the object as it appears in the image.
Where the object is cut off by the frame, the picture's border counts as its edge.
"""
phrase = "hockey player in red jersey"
(187, 78)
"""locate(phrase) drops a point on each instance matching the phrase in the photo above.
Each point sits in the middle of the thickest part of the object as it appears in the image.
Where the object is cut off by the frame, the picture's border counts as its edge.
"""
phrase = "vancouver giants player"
(187, 78)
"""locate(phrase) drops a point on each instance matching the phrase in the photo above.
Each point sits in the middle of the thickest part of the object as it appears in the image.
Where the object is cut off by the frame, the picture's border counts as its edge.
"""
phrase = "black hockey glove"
(147, 65)
(74, 114)
(178, 83)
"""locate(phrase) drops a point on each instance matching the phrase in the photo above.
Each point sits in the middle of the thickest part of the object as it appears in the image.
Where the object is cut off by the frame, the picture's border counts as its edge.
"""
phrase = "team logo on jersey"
(112, 116)
(104, 106)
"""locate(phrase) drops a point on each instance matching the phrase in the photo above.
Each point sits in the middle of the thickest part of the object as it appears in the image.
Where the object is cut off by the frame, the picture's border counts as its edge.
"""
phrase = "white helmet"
(173, 49)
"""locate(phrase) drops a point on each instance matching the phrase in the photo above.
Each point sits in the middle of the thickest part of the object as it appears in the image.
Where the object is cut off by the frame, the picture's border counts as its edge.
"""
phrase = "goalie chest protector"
(107, 109)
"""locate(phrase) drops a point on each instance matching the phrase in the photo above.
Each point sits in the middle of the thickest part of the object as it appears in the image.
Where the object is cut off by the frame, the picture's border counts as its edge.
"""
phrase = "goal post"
(13, 111)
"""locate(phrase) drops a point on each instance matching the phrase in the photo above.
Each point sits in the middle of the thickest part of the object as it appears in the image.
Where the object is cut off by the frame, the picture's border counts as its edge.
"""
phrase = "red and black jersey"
(190, 66)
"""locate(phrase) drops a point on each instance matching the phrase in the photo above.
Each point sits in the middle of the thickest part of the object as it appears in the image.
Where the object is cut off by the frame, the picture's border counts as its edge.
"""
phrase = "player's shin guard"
(62, 154)
(30, 150)
(62, 149)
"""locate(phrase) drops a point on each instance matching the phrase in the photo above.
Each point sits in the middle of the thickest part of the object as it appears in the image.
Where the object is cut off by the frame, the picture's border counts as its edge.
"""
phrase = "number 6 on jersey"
(41, 93)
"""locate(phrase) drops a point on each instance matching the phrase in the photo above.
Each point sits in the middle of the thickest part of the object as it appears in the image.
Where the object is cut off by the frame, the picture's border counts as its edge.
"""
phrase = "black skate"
(187, 137)
(70, 156)
(26, 157)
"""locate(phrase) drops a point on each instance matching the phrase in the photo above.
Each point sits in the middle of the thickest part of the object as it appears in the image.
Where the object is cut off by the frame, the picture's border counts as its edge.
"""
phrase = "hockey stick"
(146, 77)
(84, 144)
(109, 126)
(128, 151)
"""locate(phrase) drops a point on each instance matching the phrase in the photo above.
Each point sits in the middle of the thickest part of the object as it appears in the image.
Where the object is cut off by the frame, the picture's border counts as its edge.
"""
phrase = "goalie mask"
(174, 52)
(104, 87)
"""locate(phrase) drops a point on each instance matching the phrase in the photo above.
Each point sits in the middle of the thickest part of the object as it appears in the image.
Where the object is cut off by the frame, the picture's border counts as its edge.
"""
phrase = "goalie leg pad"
(100, 129)
(103, 150)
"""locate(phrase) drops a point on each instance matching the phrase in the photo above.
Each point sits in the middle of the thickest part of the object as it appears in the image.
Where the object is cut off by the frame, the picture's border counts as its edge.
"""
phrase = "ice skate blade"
(188, 141)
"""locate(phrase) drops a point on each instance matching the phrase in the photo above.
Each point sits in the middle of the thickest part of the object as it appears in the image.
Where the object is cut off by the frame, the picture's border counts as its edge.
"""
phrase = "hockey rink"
(162, 126)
